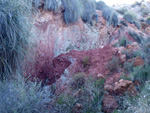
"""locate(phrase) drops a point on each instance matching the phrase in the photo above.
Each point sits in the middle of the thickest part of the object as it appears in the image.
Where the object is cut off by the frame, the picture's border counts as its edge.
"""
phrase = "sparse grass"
(146, 50)
(85, 99)
(113, 64)
(138, 104)
(123, 41)
(22, 96)
(14, 33)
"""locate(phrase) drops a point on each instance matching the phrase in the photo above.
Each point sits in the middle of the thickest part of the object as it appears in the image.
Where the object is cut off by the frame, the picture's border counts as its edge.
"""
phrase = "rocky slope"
(64, 50)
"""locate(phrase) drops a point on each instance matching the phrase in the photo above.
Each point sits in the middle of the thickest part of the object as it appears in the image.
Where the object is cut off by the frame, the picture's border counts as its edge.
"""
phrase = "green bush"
(135, 36)
(146, 50)
(123, 23)
(72, 10)
(112, 62)
(101, 5)
(107, 14)
(130, 17)
(89, 10)
(88, 98)
(123, 41)
(137, 24)
(114, 20)
(52, 4)
(14, 33)
(22, 96)
(139, 103)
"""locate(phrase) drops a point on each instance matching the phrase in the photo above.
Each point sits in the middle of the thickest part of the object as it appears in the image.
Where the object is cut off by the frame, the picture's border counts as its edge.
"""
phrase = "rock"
(125, 85)
(123, 58)
(116, 77)
(121, 49)
(138, 62)
(100, 76)
(109, 104)
(79, 106)
(109, 88)
(134, 46)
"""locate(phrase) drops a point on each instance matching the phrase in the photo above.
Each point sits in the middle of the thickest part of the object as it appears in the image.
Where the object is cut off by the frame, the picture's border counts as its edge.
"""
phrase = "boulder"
(125, 86)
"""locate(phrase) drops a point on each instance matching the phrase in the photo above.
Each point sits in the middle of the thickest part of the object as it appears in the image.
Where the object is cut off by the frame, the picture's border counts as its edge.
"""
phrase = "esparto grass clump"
(14, 32)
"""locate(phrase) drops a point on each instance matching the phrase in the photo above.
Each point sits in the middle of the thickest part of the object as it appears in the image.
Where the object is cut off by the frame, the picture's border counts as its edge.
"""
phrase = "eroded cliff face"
(54, 37)
(62, 38)
(59, 51)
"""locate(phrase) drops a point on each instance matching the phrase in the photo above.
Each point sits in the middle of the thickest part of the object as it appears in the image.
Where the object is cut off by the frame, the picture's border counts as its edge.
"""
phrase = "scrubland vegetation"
(20, 95)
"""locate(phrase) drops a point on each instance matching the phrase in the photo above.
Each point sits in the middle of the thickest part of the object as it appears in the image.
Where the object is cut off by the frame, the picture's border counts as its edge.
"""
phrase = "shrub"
(146, 50)
(21, 96)
(141, 73)
(78, 80)
(148, 21)
(36, 3)
(128, 66)
(136, 37)
(89, 10)
(86, 61)
(72, 10)
(14, 32)
(123, 41)
(137, 24)
(52, 4)
(107, 14)
(101, 5)
(114, 20)
(130, 17)
(87, 98)
(123, 23)
(111, 63)
(139, 103)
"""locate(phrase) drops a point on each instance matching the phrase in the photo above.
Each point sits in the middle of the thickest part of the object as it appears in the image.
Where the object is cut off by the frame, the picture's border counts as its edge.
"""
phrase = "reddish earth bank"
(61, 51)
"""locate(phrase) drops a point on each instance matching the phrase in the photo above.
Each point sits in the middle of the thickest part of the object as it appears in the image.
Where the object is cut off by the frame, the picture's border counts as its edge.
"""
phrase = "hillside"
(74, 56)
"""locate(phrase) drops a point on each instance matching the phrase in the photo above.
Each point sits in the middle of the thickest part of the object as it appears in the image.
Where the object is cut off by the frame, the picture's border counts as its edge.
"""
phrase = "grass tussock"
(21, 96)
(101, 5)
(84, 95)
(138, 104)
(89, 10)
(132, 19)
(52, 4)
(14, 32)
(72, 10)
